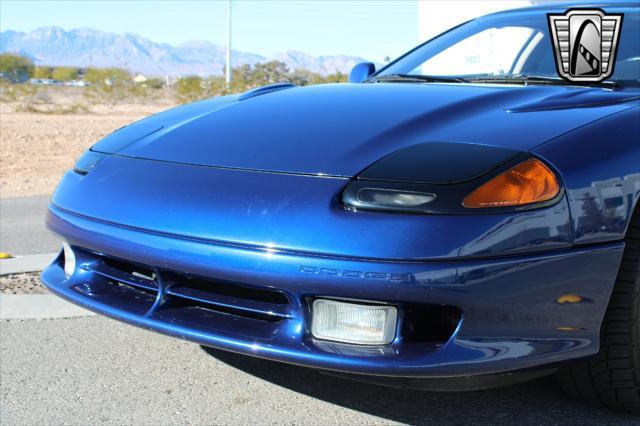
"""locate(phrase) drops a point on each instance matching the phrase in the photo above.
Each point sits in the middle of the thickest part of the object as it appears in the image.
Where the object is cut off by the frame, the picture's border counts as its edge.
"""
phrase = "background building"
(436, 16)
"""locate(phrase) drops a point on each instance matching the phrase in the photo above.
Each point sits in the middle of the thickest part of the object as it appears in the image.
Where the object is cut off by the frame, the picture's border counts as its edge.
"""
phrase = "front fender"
(600, 165)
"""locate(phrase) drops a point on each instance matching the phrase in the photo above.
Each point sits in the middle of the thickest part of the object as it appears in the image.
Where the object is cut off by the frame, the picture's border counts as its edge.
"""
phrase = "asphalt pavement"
(98, 371)
(22, 229)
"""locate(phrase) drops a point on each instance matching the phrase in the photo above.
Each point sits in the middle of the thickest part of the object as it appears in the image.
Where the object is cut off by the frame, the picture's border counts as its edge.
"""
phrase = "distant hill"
(85, 47)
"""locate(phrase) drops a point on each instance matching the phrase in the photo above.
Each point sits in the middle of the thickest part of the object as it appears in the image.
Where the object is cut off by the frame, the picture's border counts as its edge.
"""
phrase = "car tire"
(612, 377)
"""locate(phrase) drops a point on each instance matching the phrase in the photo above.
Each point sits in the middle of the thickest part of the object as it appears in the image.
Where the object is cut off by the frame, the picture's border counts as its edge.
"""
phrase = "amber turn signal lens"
(525, 183)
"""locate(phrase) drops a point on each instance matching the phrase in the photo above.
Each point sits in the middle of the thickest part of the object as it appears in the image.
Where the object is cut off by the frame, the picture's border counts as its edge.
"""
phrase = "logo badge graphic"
(585, 43)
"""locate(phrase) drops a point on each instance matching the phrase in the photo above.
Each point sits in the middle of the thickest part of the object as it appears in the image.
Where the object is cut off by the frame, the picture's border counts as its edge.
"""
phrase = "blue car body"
(234, 207)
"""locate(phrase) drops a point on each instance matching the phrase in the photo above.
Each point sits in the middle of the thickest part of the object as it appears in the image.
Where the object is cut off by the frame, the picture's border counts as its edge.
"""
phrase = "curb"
(34, 306)
(29, 263)
(38, 306)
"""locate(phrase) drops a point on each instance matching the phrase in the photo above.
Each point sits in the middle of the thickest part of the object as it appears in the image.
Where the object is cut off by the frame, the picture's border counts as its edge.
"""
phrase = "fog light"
(351, 323)
(69, 259)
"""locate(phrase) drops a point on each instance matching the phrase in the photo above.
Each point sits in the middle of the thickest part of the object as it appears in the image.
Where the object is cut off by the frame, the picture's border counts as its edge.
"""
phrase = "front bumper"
(511, 315)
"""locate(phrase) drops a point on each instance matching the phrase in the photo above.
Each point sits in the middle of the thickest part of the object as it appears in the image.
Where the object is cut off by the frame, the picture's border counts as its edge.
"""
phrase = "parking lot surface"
(22, 226)
(98, 371)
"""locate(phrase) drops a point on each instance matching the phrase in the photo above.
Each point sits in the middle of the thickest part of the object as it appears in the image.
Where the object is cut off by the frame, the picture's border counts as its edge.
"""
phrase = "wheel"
(612, 377)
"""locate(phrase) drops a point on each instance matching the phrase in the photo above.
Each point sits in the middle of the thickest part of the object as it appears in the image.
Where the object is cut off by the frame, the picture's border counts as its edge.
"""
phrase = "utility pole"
(228, 68)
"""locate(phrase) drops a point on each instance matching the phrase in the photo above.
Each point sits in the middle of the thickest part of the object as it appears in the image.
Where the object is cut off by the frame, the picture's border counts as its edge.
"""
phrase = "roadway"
(98, 371)
(22, 229)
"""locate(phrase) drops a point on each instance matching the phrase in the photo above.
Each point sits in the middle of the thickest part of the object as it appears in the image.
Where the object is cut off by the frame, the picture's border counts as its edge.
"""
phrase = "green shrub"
(109, 85)
(153, 83)
(246, 77)
(42, 72)
(53, 109)
(189, 89)
(64, 73)
(15, 68)
(16, 92)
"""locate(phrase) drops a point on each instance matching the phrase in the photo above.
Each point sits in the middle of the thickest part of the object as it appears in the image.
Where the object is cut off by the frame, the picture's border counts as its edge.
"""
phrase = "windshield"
(509, 45)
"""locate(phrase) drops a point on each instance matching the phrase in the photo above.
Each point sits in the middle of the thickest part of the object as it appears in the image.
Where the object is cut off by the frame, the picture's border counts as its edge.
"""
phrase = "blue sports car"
(465, 217)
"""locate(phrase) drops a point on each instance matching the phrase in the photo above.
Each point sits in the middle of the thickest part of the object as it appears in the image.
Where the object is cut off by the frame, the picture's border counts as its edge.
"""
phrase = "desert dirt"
(36, 149)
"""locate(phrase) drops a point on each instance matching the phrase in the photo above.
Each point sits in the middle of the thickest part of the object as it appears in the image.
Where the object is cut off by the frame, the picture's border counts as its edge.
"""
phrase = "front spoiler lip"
(306, 358)
(519, 343)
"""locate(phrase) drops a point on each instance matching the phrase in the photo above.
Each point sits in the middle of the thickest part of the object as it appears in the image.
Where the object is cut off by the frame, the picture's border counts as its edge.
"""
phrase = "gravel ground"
(97, 371)
(28, 283)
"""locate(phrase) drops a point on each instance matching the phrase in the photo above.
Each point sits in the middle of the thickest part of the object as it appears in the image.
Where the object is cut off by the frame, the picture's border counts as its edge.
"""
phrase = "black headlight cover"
(438, 163)
(439, 174)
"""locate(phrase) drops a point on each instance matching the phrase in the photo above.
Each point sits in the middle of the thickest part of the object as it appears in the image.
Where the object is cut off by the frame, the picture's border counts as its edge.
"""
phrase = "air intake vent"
(187, 291)
(430, 323)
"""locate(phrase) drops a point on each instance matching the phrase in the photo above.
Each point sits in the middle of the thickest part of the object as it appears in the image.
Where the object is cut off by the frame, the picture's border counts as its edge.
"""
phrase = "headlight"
(523, 183)
(393, 197)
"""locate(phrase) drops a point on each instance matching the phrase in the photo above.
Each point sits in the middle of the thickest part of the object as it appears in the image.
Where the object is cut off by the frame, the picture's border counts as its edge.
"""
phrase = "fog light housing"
(353, 323)
(69, 259)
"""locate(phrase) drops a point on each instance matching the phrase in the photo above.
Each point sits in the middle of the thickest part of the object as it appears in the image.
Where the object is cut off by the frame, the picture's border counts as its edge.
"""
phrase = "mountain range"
(85, 47)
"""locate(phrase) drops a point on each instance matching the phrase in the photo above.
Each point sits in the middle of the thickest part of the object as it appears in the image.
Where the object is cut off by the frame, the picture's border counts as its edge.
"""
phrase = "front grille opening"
(117, 295)
(134, 288)
(129, 268)
(430, 323)
(183, 303)
(186, 294)
(202, 288)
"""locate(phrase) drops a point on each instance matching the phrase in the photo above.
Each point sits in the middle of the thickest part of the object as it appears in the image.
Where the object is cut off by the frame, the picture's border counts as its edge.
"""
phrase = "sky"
(372, 29)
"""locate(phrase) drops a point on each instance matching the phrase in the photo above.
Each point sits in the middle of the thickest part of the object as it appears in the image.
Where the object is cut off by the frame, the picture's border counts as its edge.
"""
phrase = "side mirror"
(360, 72)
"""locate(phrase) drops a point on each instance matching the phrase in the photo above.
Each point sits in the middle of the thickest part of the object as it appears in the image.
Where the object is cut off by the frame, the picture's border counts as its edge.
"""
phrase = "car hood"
(341, 129)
